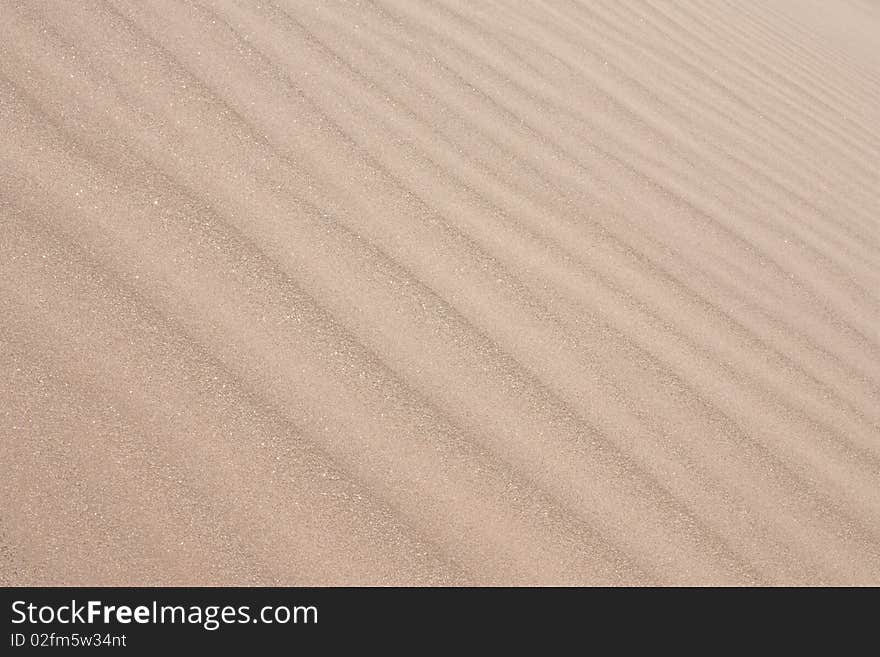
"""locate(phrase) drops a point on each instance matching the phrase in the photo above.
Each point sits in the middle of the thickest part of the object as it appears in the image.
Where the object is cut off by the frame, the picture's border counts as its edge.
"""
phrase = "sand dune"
(440, 292)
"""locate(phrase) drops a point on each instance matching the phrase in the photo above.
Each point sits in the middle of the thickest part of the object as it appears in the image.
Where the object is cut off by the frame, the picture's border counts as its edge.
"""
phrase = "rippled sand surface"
(440, 292)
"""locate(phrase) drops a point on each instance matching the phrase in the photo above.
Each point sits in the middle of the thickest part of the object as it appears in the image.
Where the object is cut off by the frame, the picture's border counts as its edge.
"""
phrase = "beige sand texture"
(440, 292)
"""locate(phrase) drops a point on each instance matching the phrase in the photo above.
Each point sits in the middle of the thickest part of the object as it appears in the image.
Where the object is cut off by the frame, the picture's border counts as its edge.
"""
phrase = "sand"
(440, 293)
